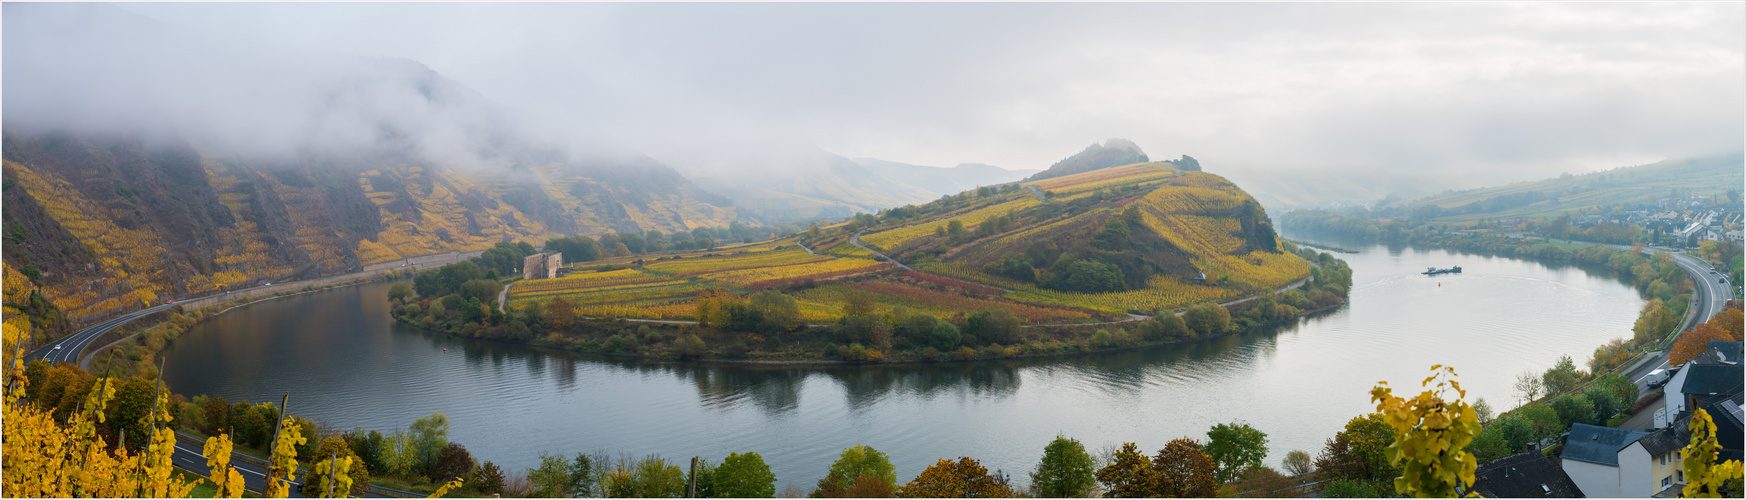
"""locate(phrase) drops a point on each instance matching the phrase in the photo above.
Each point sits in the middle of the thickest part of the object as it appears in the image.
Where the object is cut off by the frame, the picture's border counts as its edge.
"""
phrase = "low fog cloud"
(102, 69)
(1527, 89)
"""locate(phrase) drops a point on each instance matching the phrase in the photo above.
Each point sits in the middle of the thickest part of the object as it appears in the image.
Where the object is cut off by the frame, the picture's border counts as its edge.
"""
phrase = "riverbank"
(1083, 349)
(150, 339)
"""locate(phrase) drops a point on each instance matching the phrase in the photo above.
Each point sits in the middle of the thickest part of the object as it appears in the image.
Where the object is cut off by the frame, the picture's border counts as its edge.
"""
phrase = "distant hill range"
(817, 184)
(1566, 194)
(943, 181)
(1286, 188)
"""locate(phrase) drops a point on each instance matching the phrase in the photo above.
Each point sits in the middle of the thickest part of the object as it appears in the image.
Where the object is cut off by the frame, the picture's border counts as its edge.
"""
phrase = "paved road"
(856, 240)
(67, 349)
(1710, 297)
(189, 457)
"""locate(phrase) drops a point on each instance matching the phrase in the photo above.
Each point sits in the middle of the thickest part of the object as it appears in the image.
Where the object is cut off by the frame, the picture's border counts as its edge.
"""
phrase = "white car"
(1657, 378)
(57, 347)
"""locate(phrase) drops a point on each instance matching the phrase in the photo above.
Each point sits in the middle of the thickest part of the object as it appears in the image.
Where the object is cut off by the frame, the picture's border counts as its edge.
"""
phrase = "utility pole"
(691, 490)
(332, 469)
(273, 470)
(152, 420)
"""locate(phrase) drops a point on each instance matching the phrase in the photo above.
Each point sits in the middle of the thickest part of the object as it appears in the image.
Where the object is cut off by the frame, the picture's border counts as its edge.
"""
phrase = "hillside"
(1130, 238)
(1567, 194)
(114, 224)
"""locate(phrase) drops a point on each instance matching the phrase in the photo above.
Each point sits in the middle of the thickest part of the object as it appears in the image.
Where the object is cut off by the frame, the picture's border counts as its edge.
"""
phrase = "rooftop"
(1713, 379)
(1527, 475)
(1598, 445)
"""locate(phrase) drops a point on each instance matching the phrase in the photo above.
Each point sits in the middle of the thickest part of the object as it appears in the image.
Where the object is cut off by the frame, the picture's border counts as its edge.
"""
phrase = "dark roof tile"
(1597, 445)
(1527, 475)
(1712, 380)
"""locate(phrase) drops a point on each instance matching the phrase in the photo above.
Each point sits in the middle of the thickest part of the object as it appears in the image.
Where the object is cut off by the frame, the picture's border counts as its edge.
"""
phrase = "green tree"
(582, 476)
(857, 463)
(1087, 276)
(780, 313)
(399, 291)
(1346, 488)
(1431, 434)
(1234, 447)
(551, 479)
(1065, 471)
(945, 336)
(689, 347)
(1563, 376)
(488, 478)
(743, 475)
(649, 477)
(429, 435)
(1542, 421)
(1207, 318)
(1574, 408)
(1357, 452)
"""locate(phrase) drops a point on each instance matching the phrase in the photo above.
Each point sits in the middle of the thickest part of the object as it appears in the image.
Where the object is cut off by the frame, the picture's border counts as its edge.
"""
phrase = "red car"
(169, 301)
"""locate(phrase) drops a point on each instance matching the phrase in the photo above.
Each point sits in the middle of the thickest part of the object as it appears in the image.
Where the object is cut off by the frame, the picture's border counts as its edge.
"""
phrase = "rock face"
(114, 223)
(1114, 152)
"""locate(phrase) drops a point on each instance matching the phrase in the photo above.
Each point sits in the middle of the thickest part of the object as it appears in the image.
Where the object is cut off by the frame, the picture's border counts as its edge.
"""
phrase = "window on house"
(1667, 481)
(1679, 474)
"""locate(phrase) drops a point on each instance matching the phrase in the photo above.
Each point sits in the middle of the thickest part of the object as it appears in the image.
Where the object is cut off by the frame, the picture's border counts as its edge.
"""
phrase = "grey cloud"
(1520, 87)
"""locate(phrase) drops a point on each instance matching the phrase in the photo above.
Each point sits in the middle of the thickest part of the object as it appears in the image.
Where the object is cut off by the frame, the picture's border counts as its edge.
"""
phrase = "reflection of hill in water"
(776, 389)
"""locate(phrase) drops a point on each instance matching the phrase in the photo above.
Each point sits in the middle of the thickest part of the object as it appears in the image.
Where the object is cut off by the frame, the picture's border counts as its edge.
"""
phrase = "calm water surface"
(346, 362)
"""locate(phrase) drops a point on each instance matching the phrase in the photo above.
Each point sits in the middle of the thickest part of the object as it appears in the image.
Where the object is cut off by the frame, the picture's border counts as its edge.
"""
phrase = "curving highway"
(1710, 293)
(66, 350)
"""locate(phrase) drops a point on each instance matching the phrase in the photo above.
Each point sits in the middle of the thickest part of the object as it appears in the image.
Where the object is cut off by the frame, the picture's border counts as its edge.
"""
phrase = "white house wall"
(1636, 472)
(1675, 400)
(1595, 480)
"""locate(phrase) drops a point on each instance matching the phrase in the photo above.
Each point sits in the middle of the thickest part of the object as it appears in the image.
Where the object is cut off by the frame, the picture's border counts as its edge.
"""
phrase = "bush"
(1343, 488)
(1207, 318)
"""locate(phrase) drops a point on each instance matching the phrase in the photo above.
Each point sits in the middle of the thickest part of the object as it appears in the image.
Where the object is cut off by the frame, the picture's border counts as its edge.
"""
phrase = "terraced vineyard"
(666, 289)
(1175, 238)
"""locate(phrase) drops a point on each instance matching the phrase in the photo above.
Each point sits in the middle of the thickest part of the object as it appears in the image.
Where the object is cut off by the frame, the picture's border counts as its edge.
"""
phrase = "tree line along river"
(346, 362)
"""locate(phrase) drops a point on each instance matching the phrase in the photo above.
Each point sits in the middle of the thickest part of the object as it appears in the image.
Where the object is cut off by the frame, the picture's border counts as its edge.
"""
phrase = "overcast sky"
(1469, 87)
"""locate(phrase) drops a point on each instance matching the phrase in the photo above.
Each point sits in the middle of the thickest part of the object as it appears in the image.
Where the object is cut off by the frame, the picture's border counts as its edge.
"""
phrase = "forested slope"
(113, 223)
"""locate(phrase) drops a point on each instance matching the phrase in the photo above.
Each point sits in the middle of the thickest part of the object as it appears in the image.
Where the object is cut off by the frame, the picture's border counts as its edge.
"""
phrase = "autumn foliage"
(1180, 470)
(1432, 431)
(1725, 325)
(965, 478)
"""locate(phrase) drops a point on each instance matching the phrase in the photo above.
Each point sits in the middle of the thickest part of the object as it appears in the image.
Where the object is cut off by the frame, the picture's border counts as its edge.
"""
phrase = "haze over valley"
(872, 249)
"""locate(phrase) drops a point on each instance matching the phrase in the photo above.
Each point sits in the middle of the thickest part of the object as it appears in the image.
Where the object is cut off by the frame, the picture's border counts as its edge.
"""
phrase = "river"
(347, 363)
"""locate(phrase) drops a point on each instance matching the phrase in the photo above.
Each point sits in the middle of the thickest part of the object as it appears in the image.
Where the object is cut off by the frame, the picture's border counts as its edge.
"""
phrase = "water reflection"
(347, 363)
